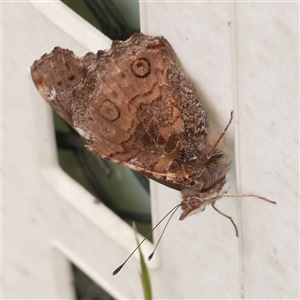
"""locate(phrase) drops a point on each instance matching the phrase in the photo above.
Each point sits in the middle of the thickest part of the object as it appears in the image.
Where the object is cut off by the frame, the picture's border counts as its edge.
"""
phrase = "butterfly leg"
(226, 216)
(220, 137)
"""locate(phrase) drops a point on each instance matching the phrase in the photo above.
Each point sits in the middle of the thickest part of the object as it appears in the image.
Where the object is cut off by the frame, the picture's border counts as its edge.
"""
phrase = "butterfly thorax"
(205, 188)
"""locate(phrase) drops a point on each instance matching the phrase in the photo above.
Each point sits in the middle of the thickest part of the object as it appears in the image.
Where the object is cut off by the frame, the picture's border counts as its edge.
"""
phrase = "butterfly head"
(191, 206)
(195, 199)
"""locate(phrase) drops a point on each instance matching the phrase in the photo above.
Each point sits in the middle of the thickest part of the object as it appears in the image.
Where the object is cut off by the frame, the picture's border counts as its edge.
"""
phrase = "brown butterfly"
(134, 106)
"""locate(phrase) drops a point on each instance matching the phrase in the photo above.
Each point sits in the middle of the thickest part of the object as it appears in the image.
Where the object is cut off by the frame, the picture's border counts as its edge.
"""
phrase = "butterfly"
(133, 106)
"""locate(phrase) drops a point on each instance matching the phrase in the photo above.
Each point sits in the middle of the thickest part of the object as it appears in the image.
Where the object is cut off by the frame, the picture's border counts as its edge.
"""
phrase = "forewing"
(131, 104)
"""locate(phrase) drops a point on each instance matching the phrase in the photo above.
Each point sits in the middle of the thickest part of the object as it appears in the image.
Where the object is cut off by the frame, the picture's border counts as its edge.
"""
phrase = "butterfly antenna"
(220, 137)
(173, 210)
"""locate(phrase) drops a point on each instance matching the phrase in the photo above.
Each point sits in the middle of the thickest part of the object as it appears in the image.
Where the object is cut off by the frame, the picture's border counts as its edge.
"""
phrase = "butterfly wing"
(132, 105)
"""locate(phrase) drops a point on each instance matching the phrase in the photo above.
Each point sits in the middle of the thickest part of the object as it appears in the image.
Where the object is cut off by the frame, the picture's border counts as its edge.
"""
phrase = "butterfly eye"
(195, 203)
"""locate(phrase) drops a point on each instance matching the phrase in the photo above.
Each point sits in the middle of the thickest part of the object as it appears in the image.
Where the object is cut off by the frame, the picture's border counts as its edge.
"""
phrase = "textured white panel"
(199, 252)
(241, 56)
(267, 61)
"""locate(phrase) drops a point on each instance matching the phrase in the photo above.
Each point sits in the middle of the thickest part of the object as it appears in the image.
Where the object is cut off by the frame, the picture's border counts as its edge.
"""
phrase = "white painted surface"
(241, 56)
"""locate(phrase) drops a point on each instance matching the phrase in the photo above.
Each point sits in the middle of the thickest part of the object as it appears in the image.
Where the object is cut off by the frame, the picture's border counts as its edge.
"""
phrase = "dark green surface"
(129, 9)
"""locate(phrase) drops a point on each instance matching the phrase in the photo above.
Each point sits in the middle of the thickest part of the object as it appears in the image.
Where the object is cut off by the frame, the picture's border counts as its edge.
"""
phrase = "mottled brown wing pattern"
(132, 105)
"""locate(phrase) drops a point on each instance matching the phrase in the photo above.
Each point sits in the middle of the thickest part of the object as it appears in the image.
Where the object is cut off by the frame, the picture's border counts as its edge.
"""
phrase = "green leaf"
(144, 274)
